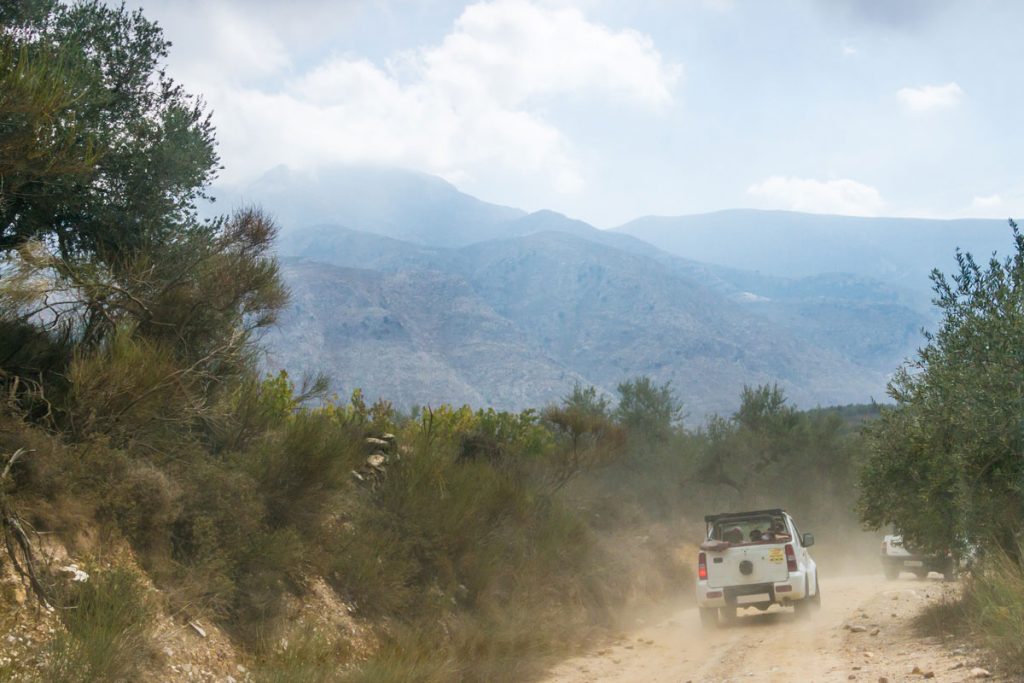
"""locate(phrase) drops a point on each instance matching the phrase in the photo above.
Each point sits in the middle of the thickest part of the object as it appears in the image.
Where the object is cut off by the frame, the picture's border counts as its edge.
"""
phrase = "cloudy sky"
(609, 110)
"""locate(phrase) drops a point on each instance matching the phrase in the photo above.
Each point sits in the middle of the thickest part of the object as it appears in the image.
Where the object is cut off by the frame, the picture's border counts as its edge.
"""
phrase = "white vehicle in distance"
(754, 559)
(898, 557)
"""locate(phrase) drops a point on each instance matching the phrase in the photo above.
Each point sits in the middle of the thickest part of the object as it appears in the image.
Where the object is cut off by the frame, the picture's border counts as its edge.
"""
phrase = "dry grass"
(947, 616)
(989, 609)
(306, 657)
(107, 622)
(994, 600)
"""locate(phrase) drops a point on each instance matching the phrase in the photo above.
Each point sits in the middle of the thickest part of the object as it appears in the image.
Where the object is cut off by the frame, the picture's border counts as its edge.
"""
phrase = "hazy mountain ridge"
(499, 307)
(415, 337)
(529, 316)
(900, 251)
(612, 315)
(407, 205)
(859, 319)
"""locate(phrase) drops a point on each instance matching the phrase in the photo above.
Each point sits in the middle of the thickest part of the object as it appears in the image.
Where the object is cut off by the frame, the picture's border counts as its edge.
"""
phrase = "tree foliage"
(769, 453)
(947, 462)
(587, 400)
(42, 140)
(648, 411)
(585, 435)
(102, 161)
(102, 152)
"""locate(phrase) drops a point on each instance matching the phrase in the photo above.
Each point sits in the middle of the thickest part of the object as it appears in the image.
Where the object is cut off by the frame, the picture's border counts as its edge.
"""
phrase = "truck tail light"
(790, 558)
(702, 567)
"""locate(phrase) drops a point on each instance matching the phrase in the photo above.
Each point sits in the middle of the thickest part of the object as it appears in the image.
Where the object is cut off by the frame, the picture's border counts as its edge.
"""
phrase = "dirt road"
(864, 632)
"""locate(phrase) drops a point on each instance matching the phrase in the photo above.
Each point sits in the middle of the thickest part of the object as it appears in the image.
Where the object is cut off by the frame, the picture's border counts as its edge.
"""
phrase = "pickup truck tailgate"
(766, 563)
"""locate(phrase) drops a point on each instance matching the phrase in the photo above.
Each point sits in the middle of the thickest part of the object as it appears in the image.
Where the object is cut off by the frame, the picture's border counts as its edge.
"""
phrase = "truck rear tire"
(803, 608)
(892, 571)
(708, 617)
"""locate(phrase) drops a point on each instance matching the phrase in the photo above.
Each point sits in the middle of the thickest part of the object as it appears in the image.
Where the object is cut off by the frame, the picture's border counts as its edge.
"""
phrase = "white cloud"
(471, 102)
(841, 196)
(1006, 204)
(513, 50)
(988, 202)
(214, 40)
(930, 97)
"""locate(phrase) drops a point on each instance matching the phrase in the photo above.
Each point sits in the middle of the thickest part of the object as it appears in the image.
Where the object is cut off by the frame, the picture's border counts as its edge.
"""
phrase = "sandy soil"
(864, 632)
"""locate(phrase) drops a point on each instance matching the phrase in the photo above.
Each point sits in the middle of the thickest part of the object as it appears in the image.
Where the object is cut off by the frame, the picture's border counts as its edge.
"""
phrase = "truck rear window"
(750, 530)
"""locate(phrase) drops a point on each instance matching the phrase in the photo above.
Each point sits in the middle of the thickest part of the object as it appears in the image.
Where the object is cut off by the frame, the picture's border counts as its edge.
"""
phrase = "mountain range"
(418, 293)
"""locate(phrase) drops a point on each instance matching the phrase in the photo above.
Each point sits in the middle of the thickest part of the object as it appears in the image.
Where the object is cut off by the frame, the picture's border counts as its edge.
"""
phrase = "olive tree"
(947, 461)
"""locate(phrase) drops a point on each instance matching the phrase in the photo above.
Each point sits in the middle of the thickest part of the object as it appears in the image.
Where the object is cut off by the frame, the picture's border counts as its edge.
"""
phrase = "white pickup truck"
(754, 559)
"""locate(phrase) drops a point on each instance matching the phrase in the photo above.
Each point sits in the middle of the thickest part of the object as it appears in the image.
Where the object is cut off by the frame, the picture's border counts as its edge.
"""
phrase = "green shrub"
(221, 517)
(107, 622)
(456, 517)
(268, 571)
(132, 390)
(298, 468)
(372, 565)
(144, 502)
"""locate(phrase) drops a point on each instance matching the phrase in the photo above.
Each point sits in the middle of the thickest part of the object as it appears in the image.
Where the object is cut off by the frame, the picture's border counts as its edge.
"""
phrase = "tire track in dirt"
(779, 646)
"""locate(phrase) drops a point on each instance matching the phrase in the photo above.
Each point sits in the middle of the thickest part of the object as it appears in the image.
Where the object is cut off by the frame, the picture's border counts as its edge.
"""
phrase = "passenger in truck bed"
(751, 531)
(777, 533)
(733, 535)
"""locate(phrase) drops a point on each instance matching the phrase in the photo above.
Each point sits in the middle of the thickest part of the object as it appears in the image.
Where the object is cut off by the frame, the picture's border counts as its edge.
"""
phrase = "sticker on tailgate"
(776, 555)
